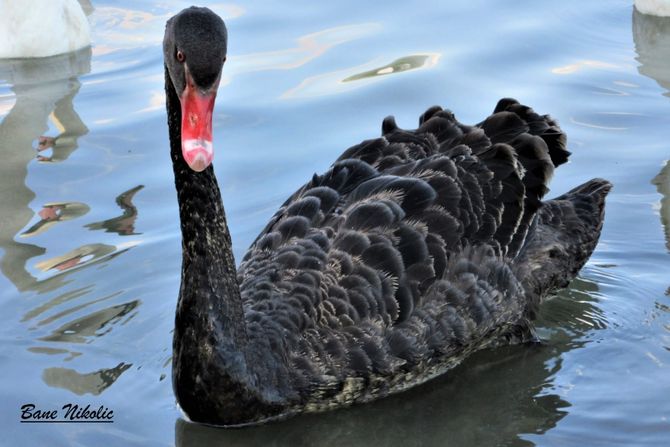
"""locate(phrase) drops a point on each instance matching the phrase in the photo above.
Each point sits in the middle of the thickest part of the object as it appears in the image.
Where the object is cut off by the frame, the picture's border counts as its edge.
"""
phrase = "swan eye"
(180, 56)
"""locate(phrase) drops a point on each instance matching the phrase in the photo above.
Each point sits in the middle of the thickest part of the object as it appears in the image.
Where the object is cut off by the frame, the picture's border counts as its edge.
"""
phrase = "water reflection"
(341, 80)
(662, 182)
(95, 324)
(44, 91)
(85, 255)
(308, 47)
(70, 128)
(42, 87)
(52, 213)
(652, 44)
(123, 225)
(84, 383)
(76, 257)
(82, 330)
(397, 66)
(495, 397)
(581, 65)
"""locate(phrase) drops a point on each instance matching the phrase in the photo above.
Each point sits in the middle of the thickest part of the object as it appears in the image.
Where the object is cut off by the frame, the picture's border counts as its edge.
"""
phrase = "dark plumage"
(412, 251)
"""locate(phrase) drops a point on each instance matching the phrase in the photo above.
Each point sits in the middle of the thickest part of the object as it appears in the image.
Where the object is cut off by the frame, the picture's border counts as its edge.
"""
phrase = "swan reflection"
(76, 257)
(43, 92)
(78, 331)
(652, 45)
(95, 324)
(70, 127)
(42, 88)
(662, 182)
(495, 397)
(123, 225)
(84, 383)
(52, 213)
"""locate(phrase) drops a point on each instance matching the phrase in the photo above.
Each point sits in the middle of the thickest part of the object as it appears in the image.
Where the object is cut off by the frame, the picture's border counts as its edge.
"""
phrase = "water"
(90, 248)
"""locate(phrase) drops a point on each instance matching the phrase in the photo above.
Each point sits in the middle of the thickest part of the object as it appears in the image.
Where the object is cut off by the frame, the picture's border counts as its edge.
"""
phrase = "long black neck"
(212, 375)
(207, 253)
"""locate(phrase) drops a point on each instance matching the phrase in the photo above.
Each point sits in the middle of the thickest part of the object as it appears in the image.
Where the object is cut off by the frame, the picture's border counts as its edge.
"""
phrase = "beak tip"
(197, 156)
(199, 165)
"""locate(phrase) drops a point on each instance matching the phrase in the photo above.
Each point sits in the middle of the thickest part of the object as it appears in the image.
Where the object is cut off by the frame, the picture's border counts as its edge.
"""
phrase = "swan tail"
(563, 235)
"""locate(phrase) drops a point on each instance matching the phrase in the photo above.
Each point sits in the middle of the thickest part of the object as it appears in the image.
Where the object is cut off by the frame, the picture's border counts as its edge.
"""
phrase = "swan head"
(194, 50)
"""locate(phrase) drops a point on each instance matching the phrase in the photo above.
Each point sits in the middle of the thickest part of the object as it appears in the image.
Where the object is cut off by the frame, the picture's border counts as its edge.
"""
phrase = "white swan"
(654, 7)
(40, 28)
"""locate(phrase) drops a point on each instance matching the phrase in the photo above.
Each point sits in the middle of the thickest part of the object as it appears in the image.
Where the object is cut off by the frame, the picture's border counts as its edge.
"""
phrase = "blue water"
(90, 244)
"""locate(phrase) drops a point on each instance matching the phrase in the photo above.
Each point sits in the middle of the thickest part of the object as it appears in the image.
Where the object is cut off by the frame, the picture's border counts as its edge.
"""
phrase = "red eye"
(180, 56)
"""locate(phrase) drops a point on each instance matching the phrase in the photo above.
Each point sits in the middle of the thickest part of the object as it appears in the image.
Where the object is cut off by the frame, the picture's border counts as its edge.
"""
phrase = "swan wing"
(403, 251)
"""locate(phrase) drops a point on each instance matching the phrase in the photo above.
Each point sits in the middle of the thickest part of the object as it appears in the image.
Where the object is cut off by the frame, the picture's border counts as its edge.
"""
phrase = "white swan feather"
(41, 28)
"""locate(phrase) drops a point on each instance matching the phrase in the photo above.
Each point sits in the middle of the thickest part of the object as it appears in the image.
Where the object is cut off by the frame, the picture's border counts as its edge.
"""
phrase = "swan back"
(38, 28)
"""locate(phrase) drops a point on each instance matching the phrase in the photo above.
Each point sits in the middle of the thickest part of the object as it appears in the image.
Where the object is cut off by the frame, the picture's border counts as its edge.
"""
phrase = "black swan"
(412, 251)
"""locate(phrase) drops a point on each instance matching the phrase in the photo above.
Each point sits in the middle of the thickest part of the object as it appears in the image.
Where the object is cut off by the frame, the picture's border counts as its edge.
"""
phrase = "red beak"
(196, 124)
